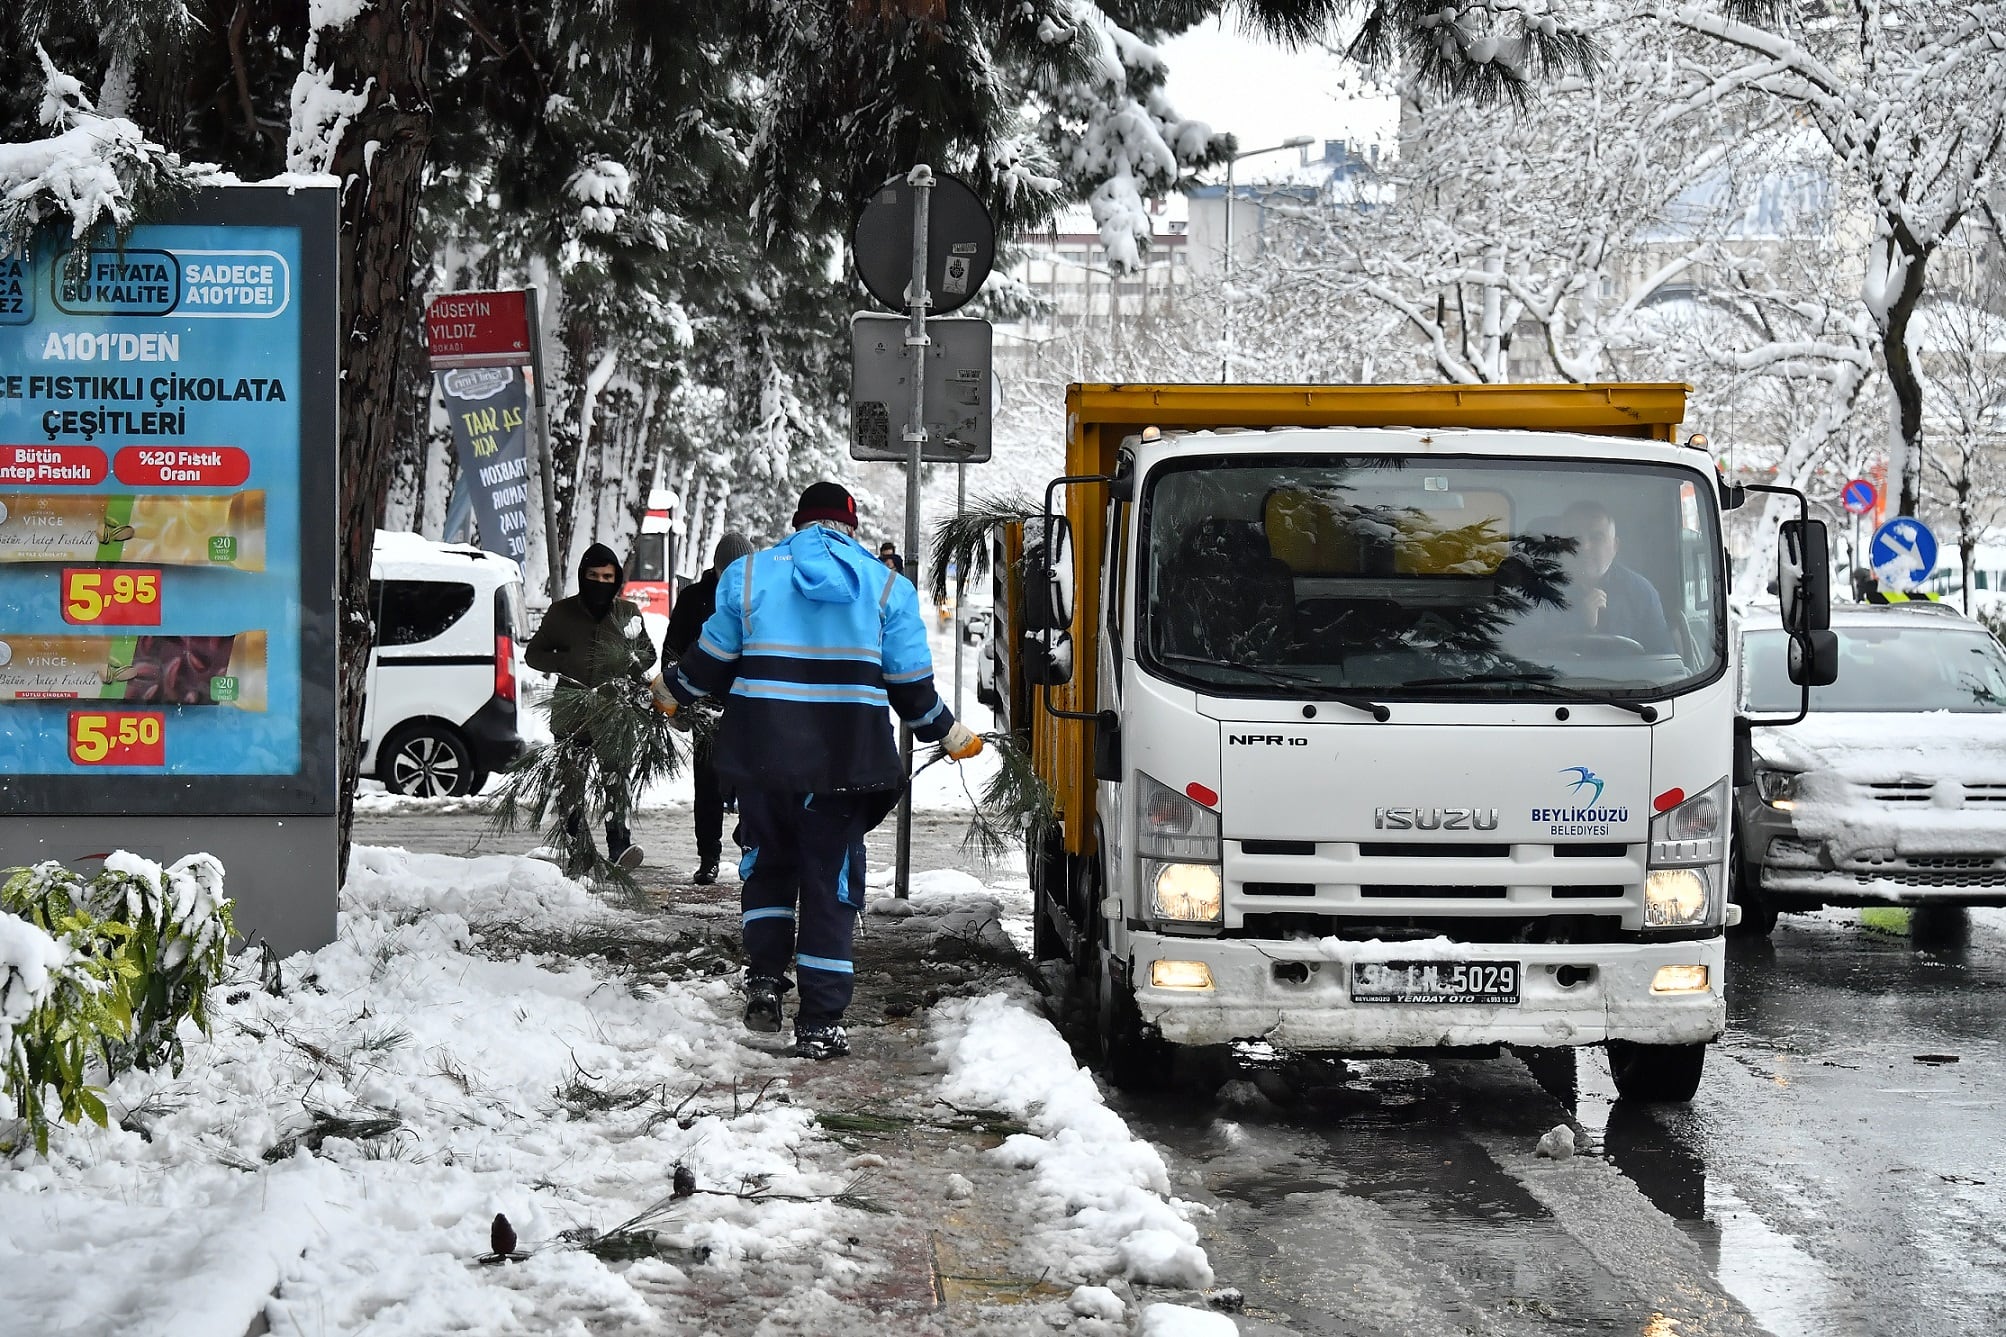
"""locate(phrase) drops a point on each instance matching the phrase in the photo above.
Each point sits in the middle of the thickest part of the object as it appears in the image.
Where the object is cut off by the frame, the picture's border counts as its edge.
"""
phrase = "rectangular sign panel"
(478, 329)
(167, 443)
(489, 407)
(960, 389)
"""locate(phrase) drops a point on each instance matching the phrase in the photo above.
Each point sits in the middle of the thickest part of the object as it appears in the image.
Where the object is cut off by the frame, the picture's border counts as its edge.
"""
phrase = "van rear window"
(411, 611)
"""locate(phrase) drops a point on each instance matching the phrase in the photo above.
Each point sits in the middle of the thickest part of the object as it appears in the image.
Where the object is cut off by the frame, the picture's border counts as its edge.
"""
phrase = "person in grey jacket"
(592, 637)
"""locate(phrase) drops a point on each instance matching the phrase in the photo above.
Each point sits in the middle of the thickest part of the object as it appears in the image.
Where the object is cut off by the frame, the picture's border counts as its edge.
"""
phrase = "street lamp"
(1292, 142)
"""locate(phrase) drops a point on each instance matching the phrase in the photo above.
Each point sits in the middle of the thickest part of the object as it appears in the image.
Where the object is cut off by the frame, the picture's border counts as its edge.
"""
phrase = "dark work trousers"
(801, 895)
(710, 807)
(617, 799)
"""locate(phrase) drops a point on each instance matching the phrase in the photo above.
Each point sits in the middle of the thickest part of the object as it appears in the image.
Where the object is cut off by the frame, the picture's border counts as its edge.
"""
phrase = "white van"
(440, 713)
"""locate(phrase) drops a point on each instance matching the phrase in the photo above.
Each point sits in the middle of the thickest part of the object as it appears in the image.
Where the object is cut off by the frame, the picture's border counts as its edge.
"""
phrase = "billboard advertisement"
(489, 409)
(167, 444)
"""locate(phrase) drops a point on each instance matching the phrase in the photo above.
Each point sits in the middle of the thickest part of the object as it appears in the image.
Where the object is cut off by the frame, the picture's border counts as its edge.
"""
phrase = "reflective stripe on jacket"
(811, 641)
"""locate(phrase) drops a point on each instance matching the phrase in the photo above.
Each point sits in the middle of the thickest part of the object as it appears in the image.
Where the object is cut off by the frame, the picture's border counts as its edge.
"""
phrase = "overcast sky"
(1264, 93)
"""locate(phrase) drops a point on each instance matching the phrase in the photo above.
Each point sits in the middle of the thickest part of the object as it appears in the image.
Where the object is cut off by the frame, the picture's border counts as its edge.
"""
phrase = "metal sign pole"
(960, 584)
(921, 181)
(552, 559)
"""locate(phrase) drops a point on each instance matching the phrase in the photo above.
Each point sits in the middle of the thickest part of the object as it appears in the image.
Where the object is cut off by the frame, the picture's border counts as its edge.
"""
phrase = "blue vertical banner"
(166, 533)
(489, 409)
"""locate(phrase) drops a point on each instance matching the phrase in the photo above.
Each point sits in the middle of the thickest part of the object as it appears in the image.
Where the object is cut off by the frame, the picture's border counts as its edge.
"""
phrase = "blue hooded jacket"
(811, 641)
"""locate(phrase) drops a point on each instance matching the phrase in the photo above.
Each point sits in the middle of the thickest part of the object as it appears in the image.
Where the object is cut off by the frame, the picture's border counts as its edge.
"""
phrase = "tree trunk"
(1902, 377)
(381, 161)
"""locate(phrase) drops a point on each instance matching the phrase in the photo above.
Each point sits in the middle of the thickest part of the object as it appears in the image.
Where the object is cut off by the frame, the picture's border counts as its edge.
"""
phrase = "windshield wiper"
(1649, 714)
(1283, 678)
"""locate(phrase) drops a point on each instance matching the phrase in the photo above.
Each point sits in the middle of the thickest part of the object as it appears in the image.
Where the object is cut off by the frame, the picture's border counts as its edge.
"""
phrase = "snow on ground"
(1114, 1214)
(531, 1085)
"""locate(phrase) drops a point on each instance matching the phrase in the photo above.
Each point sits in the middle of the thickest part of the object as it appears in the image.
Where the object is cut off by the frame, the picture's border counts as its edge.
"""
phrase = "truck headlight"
(1778, 788)
(1688, 848)
(1186, 893)
(1676, 897)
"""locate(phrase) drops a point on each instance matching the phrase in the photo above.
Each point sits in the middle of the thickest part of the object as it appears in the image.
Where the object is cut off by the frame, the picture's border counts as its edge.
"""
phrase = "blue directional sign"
(1902, 553)
(1857, 496)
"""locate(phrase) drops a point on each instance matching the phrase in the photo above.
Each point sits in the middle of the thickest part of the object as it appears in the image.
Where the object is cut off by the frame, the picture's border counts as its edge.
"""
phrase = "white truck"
(1387, 719)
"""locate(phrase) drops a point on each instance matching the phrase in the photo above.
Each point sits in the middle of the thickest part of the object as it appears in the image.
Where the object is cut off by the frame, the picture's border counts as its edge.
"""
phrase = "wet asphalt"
(1842, 1172)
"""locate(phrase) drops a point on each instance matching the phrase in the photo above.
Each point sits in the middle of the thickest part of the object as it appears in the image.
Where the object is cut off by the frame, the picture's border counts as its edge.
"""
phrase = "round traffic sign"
(960, 244)
(1858, 496)
(1902, 553)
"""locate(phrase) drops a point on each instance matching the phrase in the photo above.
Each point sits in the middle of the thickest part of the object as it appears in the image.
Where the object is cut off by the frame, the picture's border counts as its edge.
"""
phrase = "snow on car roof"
(404, 556)
(1760, 617)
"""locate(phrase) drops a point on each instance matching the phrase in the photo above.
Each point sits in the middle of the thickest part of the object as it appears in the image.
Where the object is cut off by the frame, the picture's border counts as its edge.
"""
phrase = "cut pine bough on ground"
(334, 1156)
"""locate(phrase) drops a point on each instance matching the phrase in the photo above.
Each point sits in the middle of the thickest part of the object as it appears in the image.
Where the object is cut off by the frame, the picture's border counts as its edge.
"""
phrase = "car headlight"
(1676, 897)
(1186, 893)
(1778, 788)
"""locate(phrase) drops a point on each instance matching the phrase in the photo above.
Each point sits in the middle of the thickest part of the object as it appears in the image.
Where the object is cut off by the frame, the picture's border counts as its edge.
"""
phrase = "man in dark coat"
(694, 605)
(592, 637)
(811, 641)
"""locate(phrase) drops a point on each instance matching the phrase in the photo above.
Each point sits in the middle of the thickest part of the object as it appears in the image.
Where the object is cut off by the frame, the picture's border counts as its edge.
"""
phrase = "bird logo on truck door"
(1583, 777)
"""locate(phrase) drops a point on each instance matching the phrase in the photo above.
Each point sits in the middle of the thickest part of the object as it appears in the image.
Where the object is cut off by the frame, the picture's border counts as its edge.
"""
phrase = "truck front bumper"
(1251, 997)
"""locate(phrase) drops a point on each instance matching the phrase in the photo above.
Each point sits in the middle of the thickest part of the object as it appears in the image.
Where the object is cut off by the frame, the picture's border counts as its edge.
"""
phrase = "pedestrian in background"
(694, 605)
(888, 553)
(594, 637)
(811, 640)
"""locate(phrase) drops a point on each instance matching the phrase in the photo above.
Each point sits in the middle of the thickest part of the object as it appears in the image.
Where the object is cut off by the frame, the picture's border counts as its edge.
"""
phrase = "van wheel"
(1656, 1074)
(1758, 912)
(426, 761)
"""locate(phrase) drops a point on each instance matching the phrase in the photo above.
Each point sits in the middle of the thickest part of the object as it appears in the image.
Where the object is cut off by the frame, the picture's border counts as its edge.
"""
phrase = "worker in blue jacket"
(810, 642)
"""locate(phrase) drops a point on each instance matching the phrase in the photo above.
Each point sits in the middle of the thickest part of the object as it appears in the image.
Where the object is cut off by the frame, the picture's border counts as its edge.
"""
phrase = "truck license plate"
(1434, 982)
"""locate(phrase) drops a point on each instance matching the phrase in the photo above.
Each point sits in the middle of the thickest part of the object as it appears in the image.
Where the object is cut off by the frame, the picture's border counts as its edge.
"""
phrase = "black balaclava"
(598, 596)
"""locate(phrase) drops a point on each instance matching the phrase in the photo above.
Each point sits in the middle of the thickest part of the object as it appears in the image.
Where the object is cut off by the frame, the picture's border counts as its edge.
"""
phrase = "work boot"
(821, 1040)
(762, 1004)
(630, 858)
(706, 871)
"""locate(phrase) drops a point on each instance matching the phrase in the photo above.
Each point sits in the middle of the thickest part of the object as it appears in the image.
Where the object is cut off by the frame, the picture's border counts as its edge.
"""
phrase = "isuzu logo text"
(1435, 819)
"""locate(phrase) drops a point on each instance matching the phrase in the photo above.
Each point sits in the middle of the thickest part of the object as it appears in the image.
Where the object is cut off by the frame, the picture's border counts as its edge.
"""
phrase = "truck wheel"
(1758, 912)
(1131, 1057)
(426, 761)
(1656, 1074)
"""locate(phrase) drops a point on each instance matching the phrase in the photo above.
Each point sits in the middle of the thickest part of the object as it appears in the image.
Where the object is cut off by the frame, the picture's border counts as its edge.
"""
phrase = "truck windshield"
(1442, 577)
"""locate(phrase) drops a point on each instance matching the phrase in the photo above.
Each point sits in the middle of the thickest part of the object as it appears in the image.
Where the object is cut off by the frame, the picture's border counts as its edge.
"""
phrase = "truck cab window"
(1441, 576)
(1114, 579)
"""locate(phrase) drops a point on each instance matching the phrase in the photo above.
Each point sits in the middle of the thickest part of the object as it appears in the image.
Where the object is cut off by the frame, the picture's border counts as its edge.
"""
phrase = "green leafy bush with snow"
(97, 975)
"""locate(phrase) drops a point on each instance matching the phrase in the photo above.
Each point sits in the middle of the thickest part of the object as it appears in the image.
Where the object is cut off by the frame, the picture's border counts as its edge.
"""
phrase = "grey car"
(1892, 791)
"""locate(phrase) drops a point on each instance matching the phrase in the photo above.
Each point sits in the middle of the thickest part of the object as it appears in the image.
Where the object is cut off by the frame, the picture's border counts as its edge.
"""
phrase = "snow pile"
(343, 1146)
(956, 914)
(1112, 1188)
(1166, 1320)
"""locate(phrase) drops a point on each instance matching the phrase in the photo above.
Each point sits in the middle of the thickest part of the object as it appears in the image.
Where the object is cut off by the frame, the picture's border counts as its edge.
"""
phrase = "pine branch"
(1015, 806)
(612, 747)
(964, 539)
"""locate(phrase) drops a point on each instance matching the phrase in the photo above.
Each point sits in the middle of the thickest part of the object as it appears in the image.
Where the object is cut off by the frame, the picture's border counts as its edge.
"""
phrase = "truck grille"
(1344, 887)
(1568, 928)
(1987, 792)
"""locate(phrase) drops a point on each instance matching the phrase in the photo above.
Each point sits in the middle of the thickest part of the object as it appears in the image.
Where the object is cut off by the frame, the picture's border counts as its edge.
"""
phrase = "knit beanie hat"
(731, 545)
(826, 501)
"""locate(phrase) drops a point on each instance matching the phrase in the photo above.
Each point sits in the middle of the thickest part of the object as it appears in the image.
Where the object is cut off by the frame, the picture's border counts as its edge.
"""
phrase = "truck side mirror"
(1814, 659)
(1059, 570)
(1804, 577)
(1048, 658)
